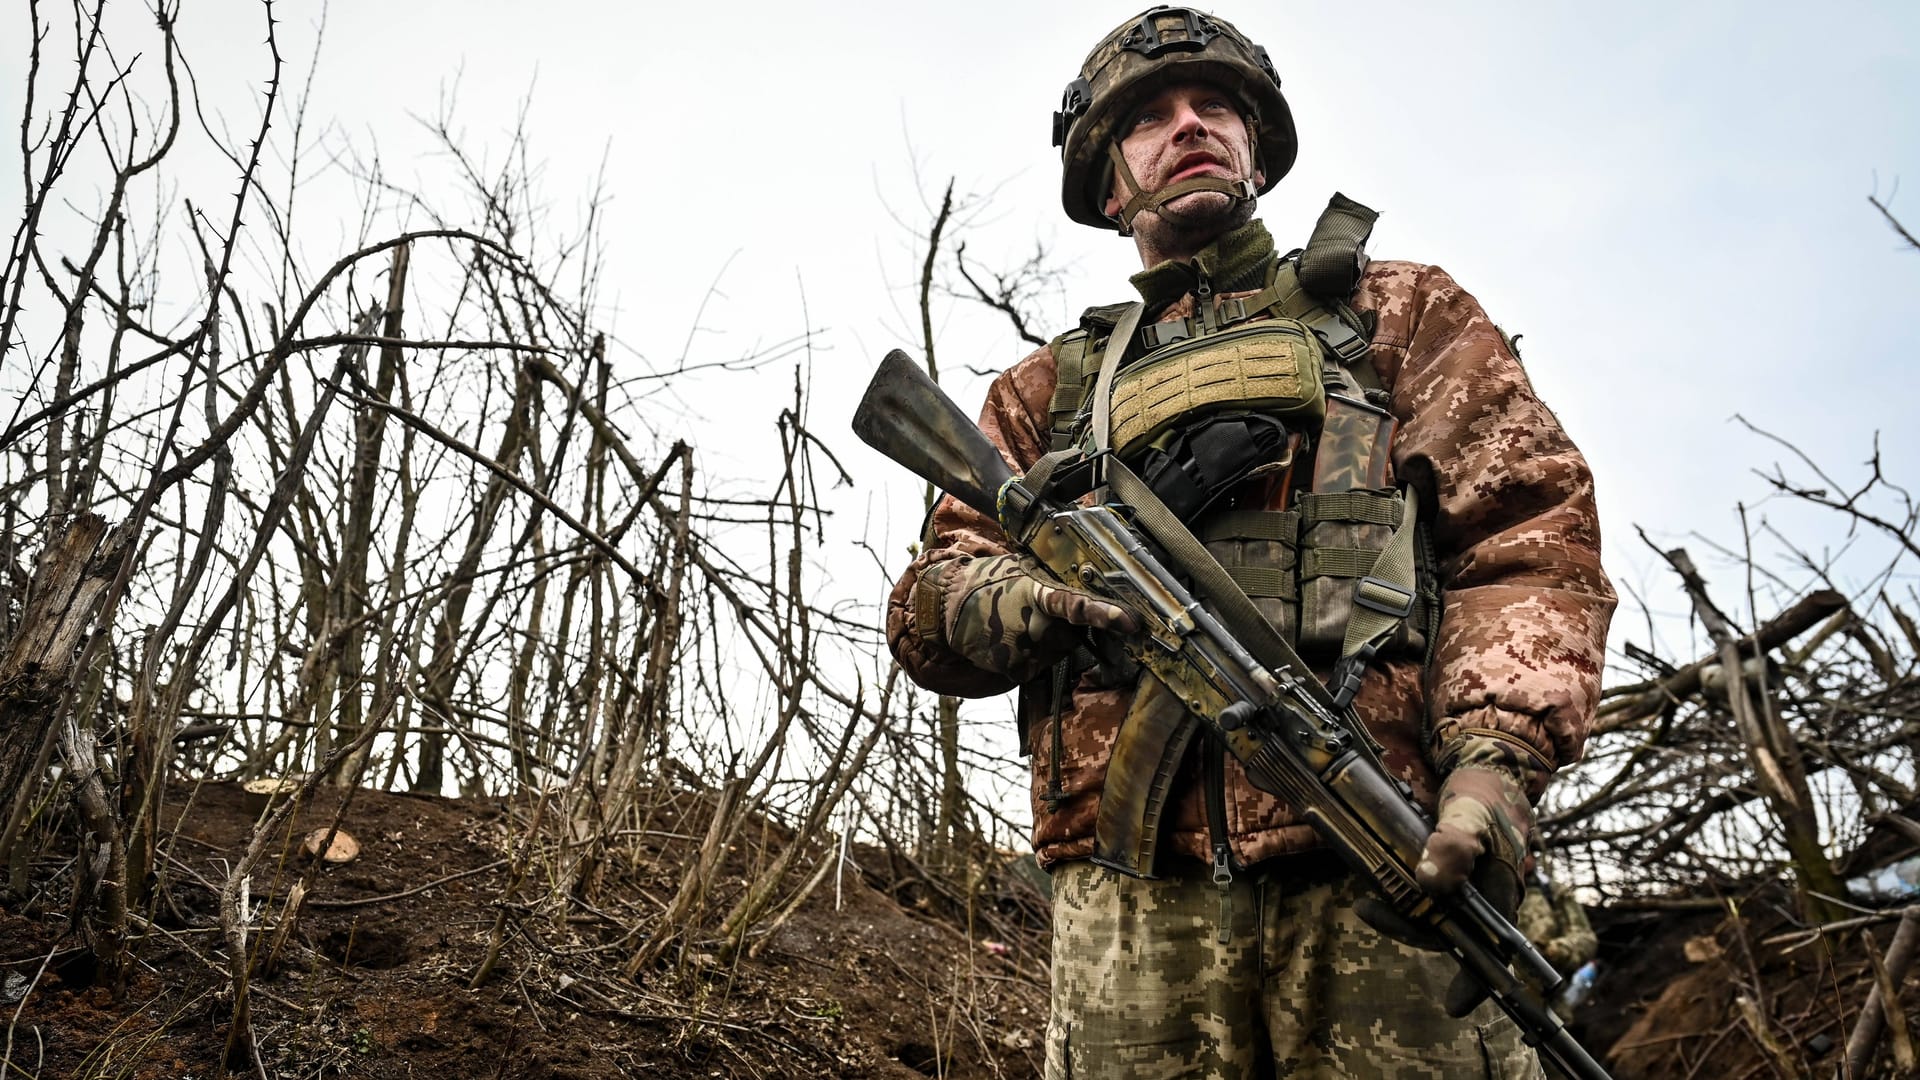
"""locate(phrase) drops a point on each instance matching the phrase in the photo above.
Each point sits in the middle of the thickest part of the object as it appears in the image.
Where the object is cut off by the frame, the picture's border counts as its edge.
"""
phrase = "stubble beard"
(1191, 222)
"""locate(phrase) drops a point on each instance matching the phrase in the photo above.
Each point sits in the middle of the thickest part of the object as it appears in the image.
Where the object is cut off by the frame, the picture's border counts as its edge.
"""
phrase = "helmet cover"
(1163, 46)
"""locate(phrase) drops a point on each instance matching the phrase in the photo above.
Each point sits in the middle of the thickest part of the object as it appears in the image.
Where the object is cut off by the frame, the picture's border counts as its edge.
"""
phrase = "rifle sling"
(1109, 363)
(1158, 727)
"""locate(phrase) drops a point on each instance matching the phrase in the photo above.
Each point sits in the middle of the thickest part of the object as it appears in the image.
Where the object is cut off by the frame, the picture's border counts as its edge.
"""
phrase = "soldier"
(1361, 450)
(1554, 920)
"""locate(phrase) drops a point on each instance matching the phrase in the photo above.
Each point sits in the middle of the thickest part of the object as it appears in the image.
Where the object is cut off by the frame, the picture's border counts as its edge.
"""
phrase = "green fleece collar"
(1234, 263)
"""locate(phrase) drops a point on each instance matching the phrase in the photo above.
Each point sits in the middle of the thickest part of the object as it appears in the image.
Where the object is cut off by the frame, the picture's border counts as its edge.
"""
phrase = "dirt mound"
(876, 975)
(1740, 990)
(372, 980)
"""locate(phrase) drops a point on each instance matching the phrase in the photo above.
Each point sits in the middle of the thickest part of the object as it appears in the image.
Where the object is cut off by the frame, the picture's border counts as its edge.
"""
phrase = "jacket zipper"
(1217, 830)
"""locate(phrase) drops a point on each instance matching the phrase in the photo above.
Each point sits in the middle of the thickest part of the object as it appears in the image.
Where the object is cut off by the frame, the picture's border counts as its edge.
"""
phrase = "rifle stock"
(906, 416)
(1271, 719)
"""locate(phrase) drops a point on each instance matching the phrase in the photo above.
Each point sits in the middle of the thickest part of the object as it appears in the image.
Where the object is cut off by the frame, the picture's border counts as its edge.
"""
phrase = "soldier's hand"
(1480, 834)
(1006, 614)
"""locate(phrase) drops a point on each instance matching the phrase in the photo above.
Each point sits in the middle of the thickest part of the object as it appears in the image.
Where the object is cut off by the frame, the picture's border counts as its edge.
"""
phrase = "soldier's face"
(1187, 130)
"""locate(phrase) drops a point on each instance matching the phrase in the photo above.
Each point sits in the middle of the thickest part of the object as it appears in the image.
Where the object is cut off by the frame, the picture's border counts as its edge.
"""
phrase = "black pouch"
(1194, 466)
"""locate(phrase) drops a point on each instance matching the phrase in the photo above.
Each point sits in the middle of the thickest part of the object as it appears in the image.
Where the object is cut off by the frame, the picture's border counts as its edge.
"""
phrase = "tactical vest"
(1267, 409)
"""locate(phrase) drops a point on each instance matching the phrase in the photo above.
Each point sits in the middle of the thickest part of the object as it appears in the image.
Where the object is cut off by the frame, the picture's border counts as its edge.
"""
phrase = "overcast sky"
(1668, 200)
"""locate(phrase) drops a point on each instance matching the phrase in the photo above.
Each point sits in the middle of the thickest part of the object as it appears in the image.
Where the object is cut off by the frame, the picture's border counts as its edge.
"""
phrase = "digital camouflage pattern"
(1524, 612)
(1001, 613)
(1144, 987)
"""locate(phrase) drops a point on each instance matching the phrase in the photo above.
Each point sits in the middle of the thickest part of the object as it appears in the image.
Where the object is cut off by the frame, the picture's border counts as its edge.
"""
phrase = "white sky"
(1667, 200)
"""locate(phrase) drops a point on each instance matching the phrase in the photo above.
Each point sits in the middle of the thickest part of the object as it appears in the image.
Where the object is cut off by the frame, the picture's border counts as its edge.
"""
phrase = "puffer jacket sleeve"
(1526, 604)
(1015, 417)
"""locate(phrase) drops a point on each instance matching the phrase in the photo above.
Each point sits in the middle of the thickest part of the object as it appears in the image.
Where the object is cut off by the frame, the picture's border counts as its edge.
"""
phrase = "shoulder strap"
(1110, 363)
(1069, 388)
(1071, 374)
(1346, 336)
(1336, 255)
(1382, 600)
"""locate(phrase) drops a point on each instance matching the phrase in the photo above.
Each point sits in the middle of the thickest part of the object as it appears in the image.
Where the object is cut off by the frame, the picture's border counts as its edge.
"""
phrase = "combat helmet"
(1164, 45)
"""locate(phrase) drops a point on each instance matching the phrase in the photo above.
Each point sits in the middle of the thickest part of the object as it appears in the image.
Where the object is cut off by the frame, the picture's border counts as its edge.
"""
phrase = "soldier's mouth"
(1195, 165)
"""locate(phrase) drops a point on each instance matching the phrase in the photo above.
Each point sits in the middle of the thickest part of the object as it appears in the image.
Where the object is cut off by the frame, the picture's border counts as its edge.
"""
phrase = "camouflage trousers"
(1145, 989)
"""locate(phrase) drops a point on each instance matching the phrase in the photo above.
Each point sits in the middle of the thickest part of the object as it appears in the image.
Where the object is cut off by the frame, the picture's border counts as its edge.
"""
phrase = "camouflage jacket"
(1557, 925)
(1525, 607)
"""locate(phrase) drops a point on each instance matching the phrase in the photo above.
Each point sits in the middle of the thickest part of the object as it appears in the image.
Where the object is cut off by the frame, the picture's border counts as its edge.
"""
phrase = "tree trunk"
(348, 602)
(36, 667)
(438, 683)
(73, 576)
(1776, 755)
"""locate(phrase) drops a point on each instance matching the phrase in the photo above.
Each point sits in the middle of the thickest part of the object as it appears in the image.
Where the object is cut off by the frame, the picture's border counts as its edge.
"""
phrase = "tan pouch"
(1271, 367)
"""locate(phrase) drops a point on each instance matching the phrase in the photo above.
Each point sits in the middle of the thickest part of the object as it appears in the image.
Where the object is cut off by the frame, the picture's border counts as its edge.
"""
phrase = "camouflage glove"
(1485, 819)
(1480, 836)
(1007, 614)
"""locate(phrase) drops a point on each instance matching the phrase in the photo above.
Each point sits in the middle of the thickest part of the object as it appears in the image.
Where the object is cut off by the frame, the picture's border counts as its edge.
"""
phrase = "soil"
(1697, 993)
(372, 981)
(890, 978)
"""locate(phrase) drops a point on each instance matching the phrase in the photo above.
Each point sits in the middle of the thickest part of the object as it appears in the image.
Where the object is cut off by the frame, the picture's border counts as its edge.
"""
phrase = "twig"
(1866, 1031)
(7, 1058)
(1893, 221)
(1803, 937)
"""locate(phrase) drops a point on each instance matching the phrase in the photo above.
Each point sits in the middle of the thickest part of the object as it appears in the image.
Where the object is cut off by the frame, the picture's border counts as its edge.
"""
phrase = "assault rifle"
(1276, 718)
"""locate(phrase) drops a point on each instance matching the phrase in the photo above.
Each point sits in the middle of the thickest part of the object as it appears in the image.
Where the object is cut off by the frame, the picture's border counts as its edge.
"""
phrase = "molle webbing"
(1265, 582)
(1272, 367)
(1259, 582)
(1070, 391)
(1280, 525)
(1352, 594)
(1366, 507)
(1337, 562)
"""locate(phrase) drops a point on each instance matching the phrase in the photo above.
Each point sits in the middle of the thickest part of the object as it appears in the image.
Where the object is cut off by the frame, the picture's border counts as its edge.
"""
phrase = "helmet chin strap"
(1240, 190)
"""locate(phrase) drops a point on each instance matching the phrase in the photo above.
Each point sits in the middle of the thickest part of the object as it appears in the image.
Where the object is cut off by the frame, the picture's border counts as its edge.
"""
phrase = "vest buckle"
(1376, 594)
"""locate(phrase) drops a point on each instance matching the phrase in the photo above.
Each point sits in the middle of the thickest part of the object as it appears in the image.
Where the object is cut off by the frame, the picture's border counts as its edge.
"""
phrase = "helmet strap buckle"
(1241, 189)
